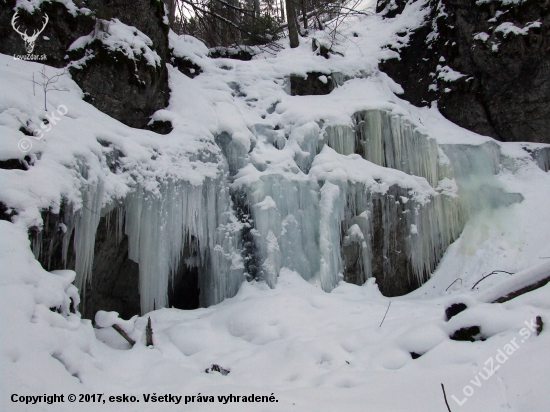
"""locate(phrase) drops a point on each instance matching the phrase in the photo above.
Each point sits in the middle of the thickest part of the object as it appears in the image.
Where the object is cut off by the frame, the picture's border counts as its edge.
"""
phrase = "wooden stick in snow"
(149, 333)
(124, 335)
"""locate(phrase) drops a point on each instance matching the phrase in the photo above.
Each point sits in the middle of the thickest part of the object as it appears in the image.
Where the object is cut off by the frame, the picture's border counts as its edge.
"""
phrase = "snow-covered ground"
(311, 350)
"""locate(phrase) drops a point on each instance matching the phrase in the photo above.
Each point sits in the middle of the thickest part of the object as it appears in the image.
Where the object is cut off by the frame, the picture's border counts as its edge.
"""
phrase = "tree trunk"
(292, 25)
(171, 4)
(304, 13)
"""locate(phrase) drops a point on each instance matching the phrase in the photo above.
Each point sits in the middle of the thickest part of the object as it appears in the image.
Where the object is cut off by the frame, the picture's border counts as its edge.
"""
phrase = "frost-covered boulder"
(120, 72)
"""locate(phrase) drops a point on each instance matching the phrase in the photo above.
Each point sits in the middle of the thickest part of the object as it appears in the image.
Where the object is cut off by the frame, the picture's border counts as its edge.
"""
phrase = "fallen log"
(522, 291)
(520, 283)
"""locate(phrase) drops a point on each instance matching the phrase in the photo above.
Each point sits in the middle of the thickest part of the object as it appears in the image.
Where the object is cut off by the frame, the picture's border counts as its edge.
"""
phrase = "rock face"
(486, 63)
(127, 90)
(391, 266)
(313, 84)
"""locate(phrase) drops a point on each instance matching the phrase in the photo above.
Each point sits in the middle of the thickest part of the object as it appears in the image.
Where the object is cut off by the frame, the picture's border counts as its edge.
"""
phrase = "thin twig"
(453, 283)
(492, 273)
(385, 313)
(445, 396)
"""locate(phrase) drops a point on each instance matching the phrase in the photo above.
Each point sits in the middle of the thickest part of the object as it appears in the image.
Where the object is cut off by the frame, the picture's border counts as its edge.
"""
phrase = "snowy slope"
(312, 350)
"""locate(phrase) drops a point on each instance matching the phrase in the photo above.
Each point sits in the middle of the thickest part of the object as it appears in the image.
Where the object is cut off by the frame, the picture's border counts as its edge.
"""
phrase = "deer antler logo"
(29, 40)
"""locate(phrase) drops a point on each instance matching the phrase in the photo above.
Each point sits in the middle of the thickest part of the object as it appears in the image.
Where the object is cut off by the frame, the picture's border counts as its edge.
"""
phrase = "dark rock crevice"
(184, 290)
(114, 283)
(251, 255)
(47, 241)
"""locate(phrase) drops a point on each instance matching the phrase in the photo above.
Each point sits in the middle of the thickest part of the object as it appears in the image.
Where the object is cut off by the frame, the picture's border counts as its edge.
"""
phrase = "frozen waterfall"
(375, 197)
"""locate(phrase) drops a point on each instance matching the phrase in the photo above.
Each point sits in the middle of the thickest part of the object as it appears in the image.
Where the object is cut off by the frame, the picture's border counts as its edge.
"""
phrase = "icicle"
(119, 223)
(69, 228)
(542, 157)
(340, 138)
(86, 223)
(37, 244)
(331, 209)
(338, 79)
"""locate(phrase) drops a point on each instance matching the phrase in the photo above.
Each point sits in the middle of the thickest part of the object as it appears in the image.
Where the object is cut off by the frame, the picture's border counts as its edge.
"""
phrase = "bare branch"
(453, 283)
(385, 314)
(445, 397)
(492, 273)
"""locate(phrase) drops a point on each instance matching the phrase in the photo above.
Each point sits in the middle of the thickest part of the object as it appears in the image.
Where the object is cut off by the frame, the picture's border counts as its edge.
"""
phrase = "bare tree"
(48, 83)
(227, 22)
(292, 24)
(256, 22)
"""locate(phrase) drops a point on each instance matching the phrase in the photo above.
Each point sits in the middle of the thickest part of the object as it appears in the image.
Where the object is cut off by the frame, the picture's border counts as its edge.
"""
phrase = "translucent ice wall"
(86, 222)
(285, 212)
(427, 229)
(309, 203)
(375, 197)
(462, 176)
(390, 141)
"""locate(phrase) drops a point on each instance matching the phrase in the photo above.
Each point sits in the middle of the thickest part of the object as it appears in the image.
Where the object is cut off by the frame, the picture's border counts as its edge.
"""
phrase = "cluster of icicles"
(299, 223)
